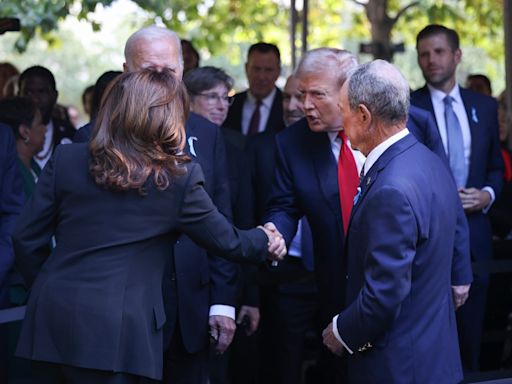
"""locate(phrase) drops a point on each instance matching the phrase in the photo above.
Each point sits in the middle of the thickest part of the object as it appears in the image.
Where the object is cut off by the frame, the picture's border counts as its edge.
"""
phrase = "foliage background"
(78, 44)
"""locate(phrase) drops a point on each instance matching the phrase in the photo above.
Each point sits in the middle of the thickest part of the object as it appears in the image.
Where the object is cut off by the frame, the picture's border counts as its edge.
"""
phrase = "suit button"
(173, 277)
(346, 277)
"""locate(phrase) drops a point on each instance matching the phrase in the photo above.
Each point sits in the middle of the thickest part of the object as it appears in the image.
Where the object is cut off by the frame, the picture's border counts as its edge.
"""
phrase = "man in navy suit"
(468, 126)
(399, 322)
(306, 179)
(259, 108)
(199, 288)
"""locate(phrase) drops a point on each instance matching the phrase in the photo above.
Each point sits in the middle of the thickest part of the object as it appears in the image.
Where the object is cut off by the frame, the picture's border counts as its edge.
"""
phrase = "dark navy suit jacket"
(486, 163)
(11, 200)
(400, 319)
(201, 279)
(275, 120)
(96, 300)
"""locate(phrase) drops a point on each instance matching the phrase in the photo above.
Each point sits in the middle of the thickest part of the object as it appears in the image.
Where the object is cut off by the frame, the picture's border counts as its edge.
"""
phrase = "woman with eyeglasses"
(208, 88)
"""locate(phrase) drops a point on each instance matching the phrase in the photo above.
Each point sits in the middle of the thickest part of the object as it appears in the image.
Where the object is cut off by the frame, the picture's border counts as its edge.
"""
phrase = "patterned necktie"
(359, 188)
(348, 180)
(455, 144)
(254, 124)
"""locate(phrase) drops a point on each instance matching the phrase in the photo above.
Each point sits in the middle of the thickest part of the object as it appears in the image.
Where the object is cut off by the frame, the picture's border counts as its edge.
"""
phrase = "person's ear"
(24, 132)
(364, 114)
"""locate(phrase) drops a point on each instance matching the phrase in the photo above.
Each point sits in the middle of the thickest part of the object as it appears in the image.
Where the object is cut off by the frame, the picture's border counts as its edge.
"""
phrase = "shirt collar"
(376, 152)
(438, 96)
(267, 101)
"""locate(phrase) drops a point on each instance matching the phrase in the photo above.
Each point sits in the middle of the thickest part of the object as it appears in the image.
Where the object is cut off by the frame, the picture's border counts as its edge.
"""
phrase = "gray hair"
(327, 60)
(204, 78)
(381, 87)
(153, 32)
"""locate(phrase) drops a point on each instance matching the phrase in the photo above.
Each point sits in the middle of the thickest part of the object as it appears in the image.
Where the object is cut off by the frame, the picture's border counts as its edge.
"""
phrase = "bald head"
(153, 47)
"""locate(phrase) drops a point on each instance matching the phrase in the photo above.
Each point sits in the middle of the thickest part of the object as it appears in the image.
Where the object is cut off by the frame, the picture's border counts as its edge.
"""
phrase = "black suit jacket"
(275, 120)
(96, 300)
(199, 278)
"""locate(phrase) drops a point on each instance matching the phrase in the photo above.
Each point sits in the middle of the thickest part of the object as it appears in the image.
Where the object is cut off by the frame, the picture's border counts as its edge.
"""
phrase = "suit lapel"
(326, 170)
(372, 176)
(421, 98)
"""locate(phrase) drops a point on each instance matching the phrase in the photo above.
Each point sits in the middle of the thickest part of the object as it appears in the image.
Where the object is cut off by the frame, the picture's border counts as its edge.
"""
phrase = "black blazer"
(96, 300)
(275, 120)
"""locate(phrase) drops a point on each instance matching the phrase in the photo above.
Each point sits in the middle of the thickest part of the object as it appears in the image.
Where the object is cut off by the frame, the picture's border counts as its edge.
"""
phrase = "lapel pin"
(474, 117)
(369, 180)
(191, 140)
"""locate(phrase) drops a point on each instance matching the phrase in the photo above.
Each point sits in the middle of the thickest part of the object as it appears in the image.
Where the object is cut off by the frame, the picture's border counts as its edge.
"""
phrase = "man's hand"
(474, 200)
(252, 314)
(222, 329)
(460, 294)
(331, 342)
(276, 245)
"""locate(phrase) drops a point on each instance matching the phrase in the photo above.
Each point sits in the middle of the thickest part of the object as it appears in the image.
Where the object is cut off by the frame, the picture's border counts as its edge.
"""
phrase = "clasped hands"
(276, 244)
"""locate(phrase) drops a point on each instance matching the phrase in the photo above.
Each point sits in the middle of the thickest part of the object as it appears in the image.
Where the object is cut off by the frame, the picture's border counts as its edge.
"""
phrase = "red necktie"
(254, 124)
(348, 179)
(507, 175)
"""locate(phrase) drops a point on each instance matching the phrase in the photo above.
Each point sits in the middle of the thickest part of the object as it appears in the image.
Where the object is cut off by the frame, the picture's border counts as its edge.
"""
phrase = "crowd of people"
(187, 234)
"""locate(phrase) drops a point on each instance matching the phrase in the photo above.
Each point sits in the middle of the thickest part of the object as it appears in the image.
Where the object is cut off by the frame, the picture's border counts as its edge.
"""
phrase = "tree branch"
(360, 3)
(403, 10)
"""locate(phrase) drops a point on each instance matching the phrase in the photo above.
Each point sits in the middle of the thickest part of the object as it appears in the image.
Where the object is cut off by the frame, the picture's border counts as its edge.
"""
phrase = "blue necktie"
(455, 144)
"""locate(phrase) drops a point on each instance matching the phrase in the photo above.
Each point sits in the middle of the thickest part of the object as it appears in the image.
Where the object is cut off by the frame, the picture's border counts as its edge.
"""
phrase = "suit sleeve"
(205, 225)
(36, 224)
(223, 273)
(387, 268)
(495, 166)
(11, 200)
(282, 208)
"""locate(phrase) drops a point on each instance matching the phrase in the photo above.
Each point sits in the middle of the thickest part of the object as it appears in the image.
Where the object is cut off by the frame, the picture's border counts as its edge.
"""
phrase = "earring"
(26, 140)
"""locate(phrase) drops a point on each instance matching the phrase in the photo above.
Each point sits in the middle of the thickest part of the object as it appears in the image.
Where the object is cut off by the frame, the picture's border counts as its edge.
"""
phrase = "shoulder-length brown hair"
(139, 134)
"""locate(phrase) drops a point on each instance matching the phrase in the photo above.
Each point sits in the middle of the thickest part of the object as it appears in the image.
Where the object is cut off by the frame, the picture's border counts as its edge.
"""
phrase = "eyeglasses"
(213, 98)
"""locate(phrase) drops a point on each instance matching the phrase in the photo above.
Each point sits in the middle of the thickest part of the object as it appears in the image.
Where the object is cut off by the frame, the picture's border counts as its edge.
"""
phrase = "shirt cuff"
(222, 310)
(493, 197)
(337, 334)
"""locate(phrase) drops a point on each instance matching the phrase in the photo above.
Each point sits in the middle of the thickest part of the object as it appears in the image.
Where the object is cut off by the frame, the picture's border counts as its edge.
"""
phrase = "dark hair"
(201, 79)
(89, 89)
(194, 51)
(481, 77)
(38, 71)
(264, 48)
(140, 131)
(436, 29)
(99, 89)
(15, 111)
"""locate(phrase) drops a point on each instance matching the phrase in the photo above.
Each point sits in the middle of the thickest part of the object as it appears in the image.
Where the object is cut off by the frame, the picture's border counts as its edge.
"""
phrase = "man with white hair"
(317, 174)
(199, 289)
(399, 323)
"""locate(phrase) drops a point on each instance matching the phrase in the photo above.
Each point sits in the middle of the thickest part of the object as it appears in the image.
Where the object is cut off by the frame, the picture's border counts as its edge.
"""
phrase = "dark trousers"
(50, 373)
(470, 323)
(182, 367)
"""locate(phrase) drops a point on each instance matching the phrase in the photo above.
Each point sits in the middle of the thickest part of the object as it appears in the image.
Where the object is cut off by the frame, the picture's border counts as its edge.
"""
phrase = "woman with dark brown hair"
(116, 206)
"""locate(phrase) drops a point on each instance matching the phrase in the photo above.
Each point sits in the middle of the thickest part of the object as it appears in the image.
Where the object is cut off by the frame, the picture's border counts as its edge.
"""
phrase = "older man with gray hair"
(399, 322)
(199, 288)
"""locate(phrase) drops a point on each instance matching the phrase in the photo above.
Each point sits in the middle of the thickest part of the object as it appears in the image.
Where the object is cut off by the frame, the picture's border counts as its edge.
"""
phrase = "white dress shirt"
(250, 106)
(437, 98)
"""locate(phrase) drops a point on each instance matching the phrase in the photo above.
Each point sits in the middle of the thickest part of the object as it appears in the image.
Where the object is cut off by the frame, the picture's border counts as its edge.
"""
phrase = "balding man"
(317, 173)
(199, 289)
(399, 323)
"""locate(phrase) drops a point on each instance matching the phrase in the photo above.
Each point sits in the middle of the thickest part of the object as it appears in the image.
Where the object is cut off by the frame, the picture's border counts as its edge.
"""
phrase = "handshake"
(276, 245)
